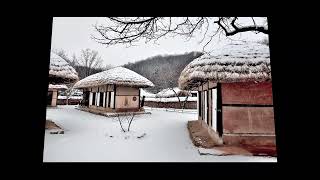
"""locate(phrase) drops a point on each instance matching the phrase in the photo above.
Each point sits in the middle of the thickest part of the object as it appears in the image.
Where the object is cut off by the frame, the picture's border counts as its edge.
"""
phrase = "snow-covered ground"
(87, 139)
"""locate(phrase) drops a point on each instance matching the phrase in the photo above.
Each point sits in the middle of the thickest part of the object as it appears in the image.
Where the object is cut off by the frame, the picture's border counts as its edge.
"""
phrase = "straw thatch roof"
(237, 62)
(60, 71)
(118, 76)
(168, 92)
(146, 93)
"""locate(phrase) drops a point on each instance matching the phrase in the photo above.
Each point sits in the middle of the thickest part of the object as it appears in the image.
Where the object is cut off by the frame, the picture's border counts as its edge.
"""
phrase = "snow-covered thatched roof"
(118, 76)
(57, 86)
(236, 62)
(60, 71)
(146, 93)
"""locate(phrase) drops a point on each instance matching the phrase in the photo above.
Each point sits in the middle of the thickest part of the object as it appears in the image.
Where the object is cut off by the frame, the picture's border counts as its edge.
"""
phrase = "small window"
(134, 98)
(49, 98)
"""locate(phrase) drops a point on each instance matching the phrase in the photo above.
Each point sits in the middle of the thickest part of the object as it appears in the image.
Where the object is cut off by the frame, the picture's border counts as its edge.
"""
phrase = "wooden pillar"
(114, 97)
(219, 110)
(54, 98)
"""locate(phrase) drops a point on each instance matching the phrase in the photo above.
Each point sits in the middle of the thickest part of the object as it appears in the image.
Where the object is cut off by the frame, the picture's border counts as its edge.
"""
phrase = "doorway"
(49, 98)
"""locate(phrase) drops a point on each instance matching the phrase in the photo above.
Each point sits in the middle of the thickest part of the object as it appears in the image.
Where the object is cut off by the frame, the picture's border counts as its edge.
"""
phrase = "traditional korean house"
(113, 90)
(234, 94)
(60, 73)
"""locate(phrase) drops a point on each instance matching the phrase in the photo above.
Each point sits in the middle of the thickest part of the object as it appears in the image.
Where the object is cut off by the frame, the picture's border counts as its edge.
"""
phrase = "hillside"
(163, 71)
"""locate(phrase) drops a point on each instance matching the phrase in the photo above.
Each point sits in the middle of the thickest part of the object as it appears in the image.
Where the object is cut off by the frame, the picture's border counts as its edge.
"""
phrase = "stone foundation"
(111, 113)
(202, 136)
(176, 105)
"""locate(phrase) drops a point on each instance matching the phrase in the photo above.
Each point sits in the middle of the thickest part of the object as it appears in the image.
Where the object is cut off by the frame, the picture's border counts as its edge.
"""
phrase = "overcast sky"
(73, 34)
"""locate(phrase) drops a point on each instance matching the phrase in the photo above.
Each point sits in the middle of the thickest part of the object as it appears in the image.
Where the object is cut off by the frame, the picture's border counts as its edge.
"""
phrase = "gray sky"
(73, 34)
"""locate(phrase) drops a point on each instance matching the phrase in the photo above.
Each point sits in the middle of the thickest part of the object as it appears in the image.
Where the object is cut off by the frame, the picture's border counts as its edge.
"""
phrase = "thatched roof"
(118, 76)
(237, 62)
(146, 93)
(168, 92)
(60, 71)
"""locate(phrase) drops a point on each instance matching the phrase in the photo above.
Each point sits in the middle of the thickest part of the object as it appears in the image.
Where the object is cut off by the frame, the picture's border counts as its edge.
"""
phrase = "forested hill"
(163, 71)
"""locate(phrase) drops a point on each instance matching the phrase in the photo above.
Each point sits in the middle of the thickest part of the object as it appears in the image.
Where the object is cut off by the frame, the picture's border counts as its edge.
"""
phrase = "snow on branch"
(128, 30)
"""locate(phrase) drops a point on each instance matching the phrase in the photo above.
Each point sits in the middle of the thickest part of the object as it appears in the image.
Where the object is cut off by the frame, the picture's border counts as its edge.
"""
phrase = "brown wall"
(125, 97)
(255, 140)
(247, 112)
(127, 102)
(127, 91)
(247, 93)
(248, 120)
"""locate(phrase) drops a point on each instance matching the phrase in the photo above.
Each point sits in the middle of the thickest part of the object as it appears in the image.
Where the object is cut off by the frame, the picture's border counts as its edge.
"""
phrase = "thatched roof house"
(60, 72)
(116, 89)
(233, 63)
(234, 93)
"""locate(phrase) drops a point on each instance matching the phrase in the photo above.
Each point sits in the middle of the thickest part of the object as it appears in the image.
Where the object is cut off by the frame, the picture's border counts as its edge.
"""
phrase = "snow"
(168, 92)
(210, 151)
(171, 99)
(147, 94)
(57, 86)
(87, 138)
(117, 75)
(70, 97)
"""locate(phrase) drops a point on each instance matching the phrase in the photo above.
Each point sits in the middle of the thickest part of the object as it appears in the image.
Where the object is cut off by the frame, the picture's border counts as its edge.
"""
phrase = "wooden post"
(219, 110)
(114, 97)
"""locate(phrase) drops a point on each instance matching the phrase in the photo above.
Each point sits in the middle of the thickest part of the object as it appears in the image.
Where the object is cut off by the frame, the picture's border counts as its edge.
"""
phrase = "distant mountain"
(163, 71)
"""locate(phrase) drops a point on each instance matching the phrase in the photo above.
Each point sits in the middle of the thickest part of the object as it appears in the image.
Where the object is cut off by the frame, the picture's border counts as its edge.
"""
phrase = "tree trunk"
(185, 101)
(130, 121)
(119, 119)
(177, 97)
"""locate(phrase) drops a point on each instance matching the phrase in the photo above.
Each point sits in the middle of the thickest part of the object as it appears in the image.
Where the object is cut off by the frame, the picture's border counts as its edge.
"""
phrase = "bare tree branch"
(128, 31)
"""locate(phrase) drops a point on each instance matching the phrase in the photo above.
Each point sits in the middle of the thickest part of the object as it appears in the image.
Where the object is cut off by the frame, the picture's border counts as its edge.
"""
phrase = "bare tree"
(108, 66)
(64, 55)
(125, 118)
(90, 60)
(128, 30)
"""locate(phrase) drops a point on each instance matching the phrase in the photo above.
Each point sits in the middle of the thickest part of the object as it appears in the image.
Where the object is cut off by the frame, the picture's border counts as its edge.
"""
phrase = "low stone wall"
(176, 105)
(70, 102)
(201, 136)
